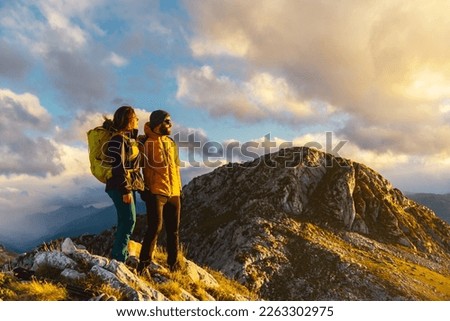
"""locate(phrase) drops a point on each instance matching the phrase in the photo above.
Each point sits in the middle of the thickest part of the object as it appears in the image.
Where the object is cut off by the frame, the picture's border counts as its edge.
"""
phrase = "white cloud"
(25, 194)
(235, 45)
(263, 96)
(24, 109)
(431, 85)
(25, 150)
(218, 95)
(69, 34)
(274, 96)
(48, 26)
(116, 60)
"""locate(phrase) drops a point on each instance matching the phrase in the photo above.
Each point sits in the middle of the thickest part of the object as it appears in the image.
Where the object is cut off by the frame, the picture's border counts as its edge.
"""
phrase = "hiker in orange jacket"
(163, 181)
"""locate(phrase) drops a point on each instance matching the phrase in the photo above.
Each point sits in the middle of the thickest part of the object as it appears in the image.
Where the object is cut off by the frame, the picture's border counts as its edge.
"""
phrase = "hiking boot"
(155, 267)
(175, 267)
(132, 263)
(142, 266)
(149, 266)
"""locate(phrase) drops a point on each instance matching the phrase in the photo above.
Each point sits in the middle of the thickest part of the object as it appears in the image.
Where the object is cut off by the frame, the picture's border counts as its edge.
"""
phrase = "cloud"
(395, 166)
(261, 97)
(13, 64)
(47, 25)
(77, 47)
(414, 138)
(82, 81)
(23, 151)
(25, 193)
(116, 60)
(70, 35)
(374, 63)
(60, 36)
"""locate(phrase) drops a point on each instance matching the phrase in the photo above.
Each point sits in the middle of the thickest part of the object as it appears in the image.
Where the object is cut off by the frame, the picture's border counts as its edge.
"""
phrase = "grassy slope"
(390, 264)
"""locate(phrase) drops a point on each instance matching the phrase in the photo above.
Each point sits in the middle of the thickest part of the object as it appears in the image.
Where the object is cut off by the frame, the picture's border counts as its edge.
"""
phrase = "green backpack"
(98, 139)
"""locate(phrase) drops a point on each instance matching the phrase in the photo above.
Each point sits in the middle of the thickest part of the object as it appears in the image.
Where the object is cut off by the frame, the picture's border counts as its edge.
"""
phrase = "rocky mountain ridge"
(301, 224)
(438, 203)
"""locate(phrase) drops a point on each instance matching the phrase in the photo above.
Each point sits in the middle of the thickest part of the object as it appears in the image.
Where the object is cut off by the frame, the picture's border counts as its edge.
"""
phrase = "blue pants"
(126, 219)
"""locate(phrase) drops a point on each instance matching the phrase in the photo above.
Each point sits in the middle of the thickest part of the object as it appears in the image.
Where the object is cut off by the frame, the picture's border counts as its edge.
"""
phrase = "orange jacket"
(162, 165)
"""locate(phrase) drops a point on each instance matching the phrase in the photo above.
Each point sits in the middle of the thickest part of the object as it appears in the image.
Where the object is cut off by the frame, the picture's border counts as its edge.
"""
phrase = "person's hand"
(127, 198)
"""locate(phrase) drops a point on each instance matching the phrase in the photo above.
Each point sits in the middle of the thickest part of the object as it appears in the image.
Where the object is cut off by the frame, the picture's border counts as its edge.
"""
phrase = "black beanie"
(157, 117)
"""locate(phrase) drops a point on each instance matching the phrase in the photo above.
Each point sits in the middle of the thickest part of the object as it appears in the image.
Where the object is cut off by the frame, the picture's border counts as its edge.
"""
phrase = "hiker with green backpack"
(115, 159)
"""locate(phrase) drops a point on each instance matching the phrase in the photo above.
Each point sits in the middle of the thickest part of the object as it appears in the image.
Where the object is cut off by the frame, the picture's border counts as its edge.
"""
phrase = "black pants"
(161, 209)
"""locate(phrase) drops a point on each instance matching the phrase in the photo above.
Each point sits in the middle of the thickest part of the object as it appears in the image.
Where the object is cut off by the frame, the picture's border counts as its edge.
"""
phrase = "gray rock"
(120, 277)
(53, 259)
(73, 274)
(197, 274)
(82, 255)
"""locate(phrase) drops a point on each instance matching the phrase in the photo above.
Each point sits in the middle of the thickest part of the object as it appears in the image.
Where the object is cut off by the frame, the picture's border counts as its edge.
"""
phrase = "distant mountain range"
(68, 221)
(438, 203)
(72, 221)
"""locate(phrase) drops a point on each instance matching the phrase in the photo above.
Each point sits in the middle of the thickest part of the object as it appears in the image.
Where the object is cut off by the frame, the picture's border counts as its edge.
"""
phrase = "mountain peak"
(267, 220)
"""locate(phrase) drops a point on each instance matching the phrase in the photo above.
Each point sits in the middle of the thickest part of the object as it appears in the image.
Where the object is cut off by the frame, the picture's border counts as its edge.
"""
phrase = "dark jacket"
(124, 155)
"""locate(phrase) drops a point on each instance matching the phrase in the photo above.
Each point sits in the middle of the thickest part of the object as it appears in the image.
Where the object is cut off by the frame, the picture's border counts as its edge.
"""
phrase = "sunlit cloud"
(235, 45)
(372, 66)
(260, 98)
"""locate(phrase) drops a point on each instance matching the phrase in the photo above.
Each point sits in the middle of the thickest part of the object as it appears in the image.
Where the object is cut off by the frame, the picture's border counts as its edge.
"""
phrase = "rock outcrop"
(77, 269)
(301, 224)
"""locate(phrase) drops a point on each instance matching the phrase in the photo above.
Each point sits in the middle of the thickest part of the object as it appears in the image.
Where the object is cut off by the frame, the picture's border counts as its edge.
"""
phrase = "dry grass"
(96, 285)
(171, 289)
(395, 271)
(228, 290)
(12, 290)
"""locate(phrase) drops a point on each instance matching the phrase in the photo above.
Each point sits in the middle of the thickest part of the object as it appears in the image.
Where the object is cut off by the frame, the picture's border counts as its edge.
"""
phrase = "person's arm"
(116, 149)
(177, 164)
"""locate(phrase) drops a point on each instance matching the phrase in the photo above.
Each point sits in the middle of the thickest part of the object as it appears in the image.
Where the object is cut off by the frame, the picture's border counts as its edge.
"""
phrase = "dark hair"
(121, 119)
(157, 117)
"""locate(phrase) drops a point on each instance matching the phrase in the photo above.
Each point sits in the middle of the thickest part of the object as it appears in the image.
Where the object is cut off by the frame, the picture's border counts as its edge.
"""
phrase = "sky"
(369, 77)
